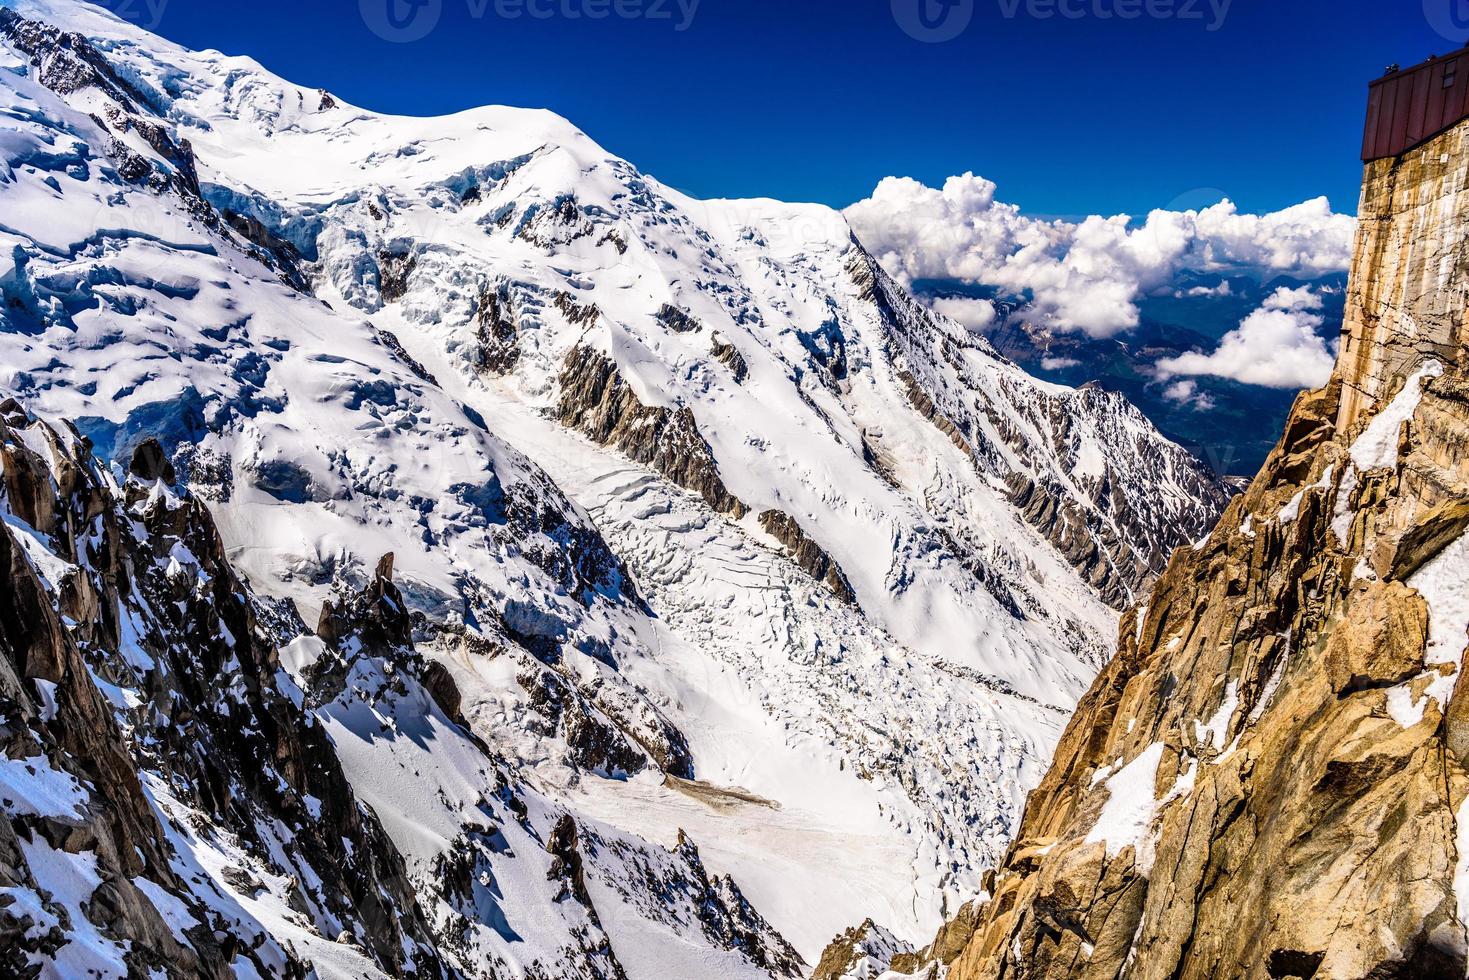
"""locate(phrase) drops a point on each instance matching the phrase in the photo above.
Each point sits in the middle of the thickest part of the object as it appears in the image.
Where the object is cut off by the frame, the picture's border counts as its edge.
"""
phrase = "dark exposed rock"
(828, 347)
(377, 616)
(596, 744)
(808, 554)
(150, 464)
(581, 314)
(246, 761)
(677, 320)
(615, 240)
(67, 62)
(390, 340)
(925, 407)
(568, 867)
(730, 357)
(494, 322)
(394, 268)
(575, 555)
(596, 401)
(555, 224)
(284, 254)
(441, 687)
(729, 921)
(1063, 521)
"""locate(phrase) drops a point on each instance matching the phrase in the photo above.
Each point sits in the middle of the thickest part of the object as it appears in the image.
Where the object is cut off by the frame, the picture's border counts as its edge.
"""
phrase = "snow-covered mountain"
(182, 797)
(728, 550)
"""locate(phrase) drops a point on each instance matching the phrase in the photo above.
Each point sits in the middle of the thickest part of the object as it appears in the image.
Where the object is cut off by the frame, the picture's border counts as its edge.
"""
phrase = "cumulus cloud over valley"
(1088, 276)
(1277, 346)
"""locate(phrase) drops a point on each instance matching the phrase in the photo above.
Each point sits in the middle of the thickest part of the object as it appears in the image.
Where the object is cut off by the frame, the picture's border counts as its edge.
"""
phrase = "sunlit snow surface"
(894, 743)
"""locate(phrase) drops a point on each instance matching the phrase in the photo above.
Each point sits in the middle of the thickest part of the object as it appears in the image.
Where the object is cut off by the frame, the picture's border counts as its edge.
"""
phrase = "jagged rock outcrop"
(495, 327)
(598, 402)
(677, 320)
(730, 357)
(864, 953)
(1270, 779)
(132, 650)
(808, 554)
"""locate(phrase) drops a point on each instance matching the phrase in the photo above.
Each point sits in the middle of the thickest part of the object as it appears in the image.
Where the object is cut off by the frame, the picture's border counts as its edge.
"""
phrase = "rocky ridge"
(179, 798)
(146, 708)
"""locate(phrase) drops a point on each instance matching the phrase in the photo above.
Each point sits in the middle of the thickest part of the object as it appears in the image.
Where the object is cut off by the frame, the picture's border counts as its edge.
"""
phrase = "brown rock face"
(1381, 641)
(597, 401)
(1268, 779)
(808, 554)
(1410, 269)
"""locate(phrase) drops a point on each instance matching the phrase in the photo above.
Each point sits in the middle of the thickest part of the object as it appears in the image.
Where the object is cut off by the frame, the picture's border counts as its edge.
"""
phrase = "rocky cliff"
(1270, 778)
(144, 707)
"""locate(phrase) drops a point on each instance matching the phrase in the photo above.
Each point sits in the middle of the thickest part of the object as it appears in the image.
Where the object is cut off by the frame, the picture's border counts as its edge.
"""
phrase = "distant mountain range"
(1230, 426)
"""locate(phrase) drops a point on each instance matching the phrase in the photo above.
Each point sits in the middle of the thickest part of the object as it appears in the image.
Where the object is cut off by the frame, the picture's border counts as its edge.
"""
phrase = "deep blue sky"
(818, 100)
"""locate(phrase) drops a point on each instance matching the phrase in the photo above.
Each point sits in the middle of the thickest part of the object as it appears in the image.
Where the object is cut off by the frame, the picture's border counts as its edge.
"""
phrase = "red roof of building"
(1411, 106)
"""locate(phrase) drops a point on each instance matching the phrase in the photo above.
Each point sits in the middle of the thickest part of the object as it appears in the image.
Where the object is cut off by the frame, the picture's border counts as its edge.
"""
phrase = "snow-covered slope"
(181, 797)
(713, 528)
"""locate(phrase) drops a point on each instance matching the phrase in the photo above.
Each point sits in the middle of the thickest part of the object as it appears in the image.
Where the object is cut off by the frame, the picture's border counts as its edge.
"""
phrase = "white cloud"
(1276, 346)
(1087, 275)
(1058, 363)
(1302, 298)
(974, 314)
(1188, 393)
(1215, 292)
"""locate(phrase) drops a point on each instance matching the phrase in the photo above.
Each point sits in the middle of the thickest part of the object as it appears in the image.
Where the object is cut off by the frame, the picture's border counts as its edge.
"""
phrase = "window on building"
(1450, 74)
